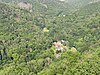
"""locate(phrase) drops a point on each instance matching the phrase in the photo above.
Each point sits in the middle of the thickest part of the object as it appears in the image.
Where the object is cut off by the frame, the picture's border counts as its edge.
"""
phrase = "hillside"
(55, 7)
(89, 9)
(28, 40)
(45, 6)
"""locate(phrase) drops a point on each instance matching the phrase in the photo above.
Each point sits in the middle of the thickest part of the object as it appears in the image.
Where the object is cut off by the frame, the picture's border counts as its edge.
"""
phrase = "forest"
(49, 37)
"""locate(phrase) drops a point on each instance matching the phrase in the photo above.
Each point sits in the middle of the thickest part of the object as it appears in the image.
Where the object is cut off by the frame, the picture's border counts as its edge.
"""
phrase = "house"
(59, 47)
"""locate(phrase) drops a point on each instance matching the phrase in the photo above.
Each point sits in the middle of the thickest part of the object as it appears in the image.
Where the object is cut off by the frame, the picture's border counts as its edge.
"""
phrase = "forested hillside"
(29, 40)
(90, 9)
(56, 7)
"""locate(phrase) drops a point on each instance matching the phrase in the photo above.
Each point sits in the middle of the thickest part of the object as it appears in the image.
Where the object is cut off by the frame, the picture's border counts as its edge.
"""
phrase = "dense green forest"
(28, 39)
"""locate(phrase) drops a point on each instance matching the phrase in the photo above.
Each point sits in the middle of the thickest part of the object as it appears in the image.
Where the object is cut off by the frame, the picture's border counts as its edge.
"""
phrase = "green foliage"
(27, 50)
